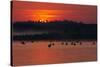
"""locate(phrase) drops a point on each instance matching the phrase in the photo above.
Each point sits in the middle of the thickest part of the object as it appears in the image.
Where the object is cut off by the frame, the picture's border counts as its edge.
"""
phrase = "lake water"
(38, 52)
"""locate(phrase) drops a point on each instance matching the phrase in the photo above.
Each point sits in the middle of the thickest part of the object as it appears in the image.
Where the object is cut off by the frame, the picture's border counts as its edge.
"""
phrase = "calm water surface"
(38, 52)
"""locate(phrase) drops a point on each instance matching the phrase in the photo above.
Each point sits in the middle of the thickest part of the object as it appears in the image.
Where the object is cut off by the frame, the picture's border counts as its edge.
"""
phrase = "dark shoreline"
(56, 30)
(70, 39)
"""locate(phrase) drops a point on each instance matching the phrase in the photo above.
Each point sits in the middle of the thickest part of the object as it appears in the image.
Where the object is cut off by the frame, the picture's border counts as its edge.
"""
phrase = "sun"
(43, 15)
(43, 21)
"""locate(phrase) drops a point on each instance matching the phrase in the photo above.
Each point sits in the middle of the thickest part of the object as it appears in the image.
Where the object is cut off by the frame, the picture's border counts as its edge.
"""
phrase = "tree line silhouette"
(57, 30)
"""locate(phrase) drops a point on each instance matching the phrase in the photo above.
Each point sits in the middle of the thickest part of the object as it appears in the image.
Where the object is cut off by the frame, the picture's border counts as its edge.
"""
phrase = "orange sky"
(24, 11)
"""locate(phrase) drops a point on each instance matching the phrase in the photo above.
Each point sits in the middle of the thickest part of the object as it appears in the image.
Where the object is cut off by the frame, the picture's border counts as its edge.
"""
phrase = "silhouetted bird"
(77, 41)
(66, 43)
(74, 44)
(94, 42)
(49, 45)
(32, 41)
(22, 42)
(80, 43)
(62, 43)
(53, 44)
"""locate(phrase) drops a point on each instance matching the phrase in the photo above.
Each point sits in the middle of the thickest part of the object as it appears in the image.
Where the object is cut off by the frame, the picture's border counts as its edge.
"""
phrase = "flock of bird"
(62, 43)
(65, 43)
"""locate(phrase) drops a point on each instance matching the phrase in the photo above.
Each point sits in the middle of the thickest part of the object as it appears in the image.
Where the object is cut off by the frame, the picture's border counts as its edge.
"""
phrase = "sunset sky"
(34, 11)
